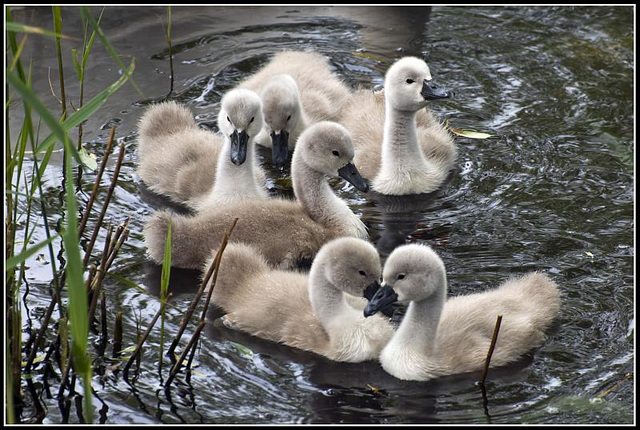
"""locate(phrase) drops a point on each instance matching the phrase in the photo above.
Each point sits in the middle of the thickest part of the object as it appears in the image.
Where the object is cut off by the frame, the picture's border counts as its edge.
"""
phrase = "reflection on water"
(553, 192)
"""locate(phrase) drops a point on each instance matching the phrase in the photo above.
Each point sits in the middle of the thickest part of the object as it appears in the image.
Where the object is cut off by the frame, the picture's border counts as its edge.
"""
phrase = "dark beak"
(239, 143)
(431, 91)
(371, 290)
(383, 298)
(280, 147)
(351, 174)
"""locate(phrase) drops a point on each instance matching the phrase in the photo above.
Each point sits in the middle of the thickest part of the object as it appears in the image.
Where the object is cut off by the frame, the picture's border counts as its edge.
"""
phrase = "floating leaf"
(129, 349)
(36, 360)
(470, 133)
(375, 390)
(88, 160)
(589, 254)
(368, 56)
(242, 350)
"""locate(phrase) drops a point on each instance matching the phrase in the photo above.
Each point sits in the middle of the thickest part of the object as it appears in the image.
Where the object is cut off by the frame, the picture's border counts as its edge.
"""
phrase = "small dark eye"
(336, 153)
(401, 276)
(289, 117)
(228, 119)
(252, 118)
(410, 81)
(362, 273)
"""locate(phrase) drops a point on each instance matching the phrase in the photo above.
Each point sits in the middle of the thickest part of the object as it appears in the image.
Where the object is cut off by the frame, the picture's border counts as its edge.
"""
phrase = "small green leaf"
(242, 350)
(285, 183)
(87, 160)
(76, 64)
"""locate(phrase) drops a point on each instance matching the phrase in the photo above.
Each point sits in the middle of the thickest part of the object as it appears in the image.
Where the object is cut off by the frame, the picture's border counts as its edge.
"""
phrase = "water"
(553, 192)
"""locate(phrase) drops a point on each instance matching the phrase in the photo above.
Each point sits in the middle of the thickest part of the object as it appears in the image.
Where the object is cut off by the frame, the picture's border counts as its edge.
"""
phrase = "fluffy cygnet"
(441, 337)
(197, 167)
(308, 312)
(400, 146)
(297, 90)
(286, 232)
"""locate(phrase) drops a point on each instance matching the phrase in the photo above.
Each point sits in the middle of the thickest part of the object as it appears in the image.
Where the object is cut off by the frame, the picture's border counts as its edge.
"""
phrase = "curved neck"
(422, 317)
(400, 143)
(327, 301)
(319, 201)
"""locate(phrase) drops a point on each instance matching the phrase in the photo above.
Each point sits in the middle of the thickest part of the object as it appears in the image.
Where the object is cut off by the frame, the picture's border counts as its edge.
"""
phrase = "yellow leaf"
(589, 254)
(470, 133)
(374, 389)
(36, 360)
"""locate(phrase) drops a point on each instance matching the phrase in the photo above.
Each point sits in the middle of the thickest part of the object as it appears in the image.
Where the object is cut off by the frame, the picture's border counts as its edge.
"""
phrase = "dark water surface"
(553, 192)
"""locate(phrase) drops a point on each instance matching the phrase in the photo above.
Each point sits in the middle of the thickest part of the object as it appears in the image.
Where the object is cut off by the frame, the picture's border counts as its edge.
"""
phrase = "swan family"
(384, 141)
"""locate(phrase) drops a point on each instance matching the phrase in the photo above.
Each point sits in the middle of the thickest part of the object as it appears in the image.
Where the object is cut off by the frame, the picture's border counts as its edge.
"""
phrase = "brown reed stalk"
(196, 335)
(94, 191)
(34, 341)
(112, 187)
(117, 335)
(217, 261)
(492, 346)
(196, 299)
(176, 367)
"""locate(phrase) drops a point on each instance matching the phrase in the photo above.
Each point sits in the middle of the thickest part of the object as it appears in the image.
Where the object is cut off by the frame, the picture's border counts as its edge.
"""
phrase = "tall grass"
(25, 189)
(21, 192)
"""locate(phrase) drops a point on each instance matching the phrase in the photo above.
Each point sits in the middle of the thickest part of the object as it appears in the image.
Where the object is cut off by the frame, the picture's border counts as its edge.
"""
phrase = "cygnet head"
(408, 85)
(282, 112)
(411, 273)
(351, 265)
(240, 119)
(327, 148)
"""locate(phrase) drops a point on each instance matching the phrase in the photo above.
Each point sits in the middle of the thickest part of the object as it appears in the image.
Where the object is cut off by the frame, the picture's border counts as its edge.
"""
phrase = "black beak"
(431, 91)
(371, 290)
(350, 173)
(279, 147)
(239, 143)
(383, 298)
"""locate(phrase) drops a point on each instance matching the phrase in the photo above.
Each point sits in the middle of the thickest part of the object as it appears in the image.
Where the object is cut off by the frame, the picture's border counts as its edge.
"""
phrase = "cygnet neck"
(327, 301)
(318, 200)
(235, 182)
(422, 317)
(400, 143)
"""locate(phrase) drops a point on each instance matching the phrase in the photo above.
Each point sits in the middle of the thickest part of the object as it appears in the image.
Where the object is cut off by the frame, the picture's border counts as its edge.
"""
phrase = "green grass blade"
(16, 55)
(17, 259)
(77, 307)
(89, 45)
(85, 112)
(28, 96)
(22, 28)
(166, 265)
(107, 45)
(164, 285)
